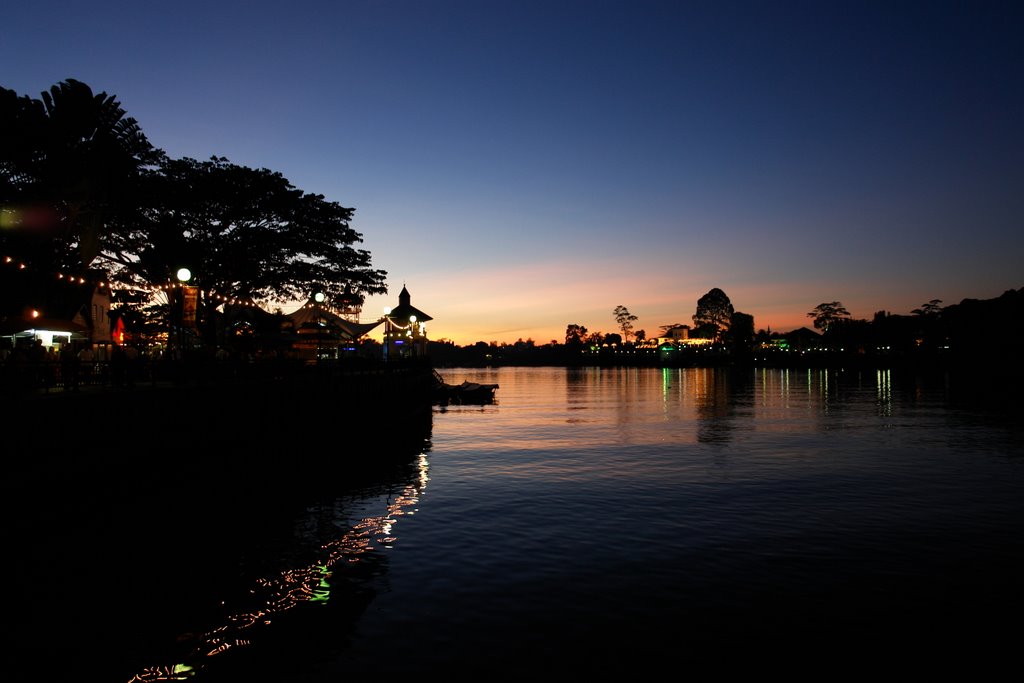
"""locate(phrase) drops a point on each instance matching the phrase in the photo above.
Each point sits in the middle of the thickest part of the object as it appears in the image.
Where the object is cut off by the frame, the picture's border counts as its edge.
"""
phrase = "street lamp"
(184, 275)
(319, 299)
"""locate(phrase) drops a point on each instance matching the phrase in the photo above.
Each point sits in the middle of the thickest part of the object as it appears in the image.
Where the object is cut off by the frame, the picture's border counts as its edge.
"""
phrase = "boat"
(471, 392)
(467, 392)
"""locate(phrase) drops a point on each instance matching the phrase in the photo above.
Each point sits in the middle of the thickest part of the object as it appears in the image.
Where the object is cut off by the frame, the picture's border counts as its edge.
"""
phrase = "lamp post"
(387, 332)
(183, 275)
(319, 299)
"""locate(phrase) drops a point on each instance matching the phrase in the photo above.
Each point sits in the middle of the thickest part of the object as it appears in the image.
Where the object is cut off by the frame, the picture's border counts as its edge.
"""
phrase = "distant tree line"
(931, 336)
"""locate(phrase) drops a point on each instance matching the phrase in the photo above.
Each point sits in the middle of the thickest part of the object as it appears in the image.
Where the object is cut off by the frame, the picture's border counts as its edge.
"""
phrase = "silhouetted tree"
(828, 314)
(244, 233)
(575, 334)
(640, 335)
(714, 311)
(740, 336)
(705, 331)
(848, 334)
(625, 320)
(932, 308)
(69, 164)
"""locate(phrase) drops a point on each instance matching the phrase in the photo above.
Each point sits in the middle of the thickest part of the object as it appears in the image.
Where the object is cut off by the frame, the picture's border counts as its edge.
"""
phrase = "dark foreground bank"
(119, 504)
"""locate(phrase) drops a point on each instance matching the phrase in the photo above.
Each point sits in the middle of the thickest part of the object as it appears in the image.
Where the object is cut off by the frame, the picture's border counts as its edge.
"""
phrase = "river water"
(615, 521)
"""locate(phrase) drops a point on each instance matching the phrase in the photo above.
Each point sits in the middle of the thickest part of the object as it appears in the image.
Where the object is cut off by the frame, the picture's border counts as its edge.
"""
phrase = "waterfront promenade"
(254, 423)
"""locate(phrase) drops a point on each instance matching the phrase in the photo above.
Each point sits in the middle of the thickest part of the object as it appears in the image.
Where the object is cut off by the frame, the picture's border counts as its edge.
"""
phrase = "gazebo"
(405, 329)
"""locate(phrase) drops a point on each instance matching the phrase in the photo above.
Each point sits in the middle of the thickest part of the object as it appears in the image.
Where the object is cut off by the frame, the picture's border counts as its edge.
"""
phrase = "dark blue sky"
(525, 165)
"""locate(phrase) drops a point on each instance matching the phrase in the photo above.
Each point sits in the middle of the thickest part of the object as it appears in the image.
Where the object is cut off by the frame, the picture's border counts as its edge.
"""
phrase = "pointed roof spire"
(406, 309)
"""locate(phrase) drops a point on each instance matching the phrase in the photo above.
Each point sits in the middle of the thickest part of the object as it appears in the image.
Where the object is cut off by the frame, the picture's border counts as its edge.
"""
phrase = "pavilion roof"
(405, 311)
(312, 313)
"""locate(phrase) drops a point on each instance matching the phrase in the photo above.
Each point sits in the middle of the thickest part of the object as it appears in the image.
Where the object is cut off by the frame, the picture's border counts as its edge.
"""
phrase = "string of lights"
(119, 287)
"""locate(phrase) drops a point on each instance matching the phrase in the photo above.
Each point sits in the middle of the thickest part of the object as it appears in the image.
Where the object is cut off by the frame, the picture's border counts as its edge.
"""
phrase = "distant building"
(679, 336)
(405, 329)
(802, 339)
(675, 334)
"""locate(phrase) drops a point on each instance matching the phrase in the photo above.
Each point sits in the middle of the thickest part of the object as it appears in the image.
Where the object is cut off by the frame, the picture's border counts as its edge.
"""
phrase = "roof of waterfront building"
(405, 310)
(313, 314)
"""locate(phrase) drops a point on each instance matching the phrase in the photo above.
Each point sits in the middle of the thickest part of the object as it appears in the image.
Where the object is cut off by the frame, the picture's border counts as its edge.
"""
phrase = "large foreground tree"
(70, 162)
(80, 184)
(245, 234)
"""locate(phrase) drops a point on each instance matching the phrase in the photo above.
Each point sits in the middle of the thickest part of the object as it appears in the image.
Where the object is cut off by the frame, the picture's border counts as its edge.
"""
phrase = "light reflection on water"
(271, 597)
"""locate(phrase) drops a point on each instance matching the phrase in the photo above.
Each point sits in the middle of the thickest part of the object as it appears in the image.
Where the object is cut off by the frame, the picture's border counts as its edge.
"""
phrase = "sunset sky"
(524, 165)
